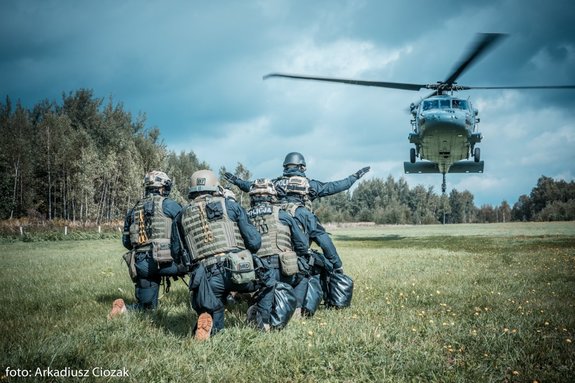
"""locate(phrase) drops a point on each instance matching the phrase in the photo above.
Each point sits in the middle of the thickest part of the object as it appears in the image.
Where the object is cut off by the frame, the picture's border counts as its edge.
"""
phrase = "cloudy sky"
(195, 69)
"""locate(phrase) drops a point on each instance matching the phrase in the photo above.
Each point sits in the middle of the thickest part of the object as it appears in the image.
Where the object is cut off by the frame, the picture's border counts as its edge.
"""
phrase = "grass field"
(455, 303)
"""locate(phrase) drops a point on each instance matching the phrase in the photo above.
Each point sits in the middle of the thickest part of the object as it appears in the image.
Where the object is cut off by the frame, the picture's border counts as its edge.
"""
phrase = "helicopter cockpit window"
(430, 104)
(459, 104)
(444, 104)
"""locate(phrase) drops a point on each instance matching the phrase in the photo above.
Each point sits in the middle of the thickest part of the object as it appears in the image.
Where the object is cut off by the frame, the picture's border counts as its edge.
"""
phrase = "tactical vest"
(291, 207)
(149, 223)
(208, 230)
(292, 189)
(276, 236)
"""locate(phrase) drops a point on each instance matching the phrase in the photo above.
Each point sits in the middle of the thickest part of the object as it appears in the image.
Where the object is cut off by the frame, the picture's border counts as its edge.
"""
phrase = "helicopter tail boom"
(425, 167)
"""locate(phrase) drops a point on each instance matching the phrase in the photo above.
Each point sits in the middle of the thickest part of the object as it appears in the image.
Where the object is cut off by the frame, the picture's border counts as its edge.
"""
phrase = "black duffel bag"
(339, 290)
(313, 295)
(284, 305)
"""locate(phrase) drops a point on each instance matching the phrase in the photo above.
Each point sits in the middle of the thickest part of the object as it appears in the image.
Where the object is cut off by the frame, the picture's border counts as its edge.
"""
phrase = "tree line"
(83, 159)
(394, 202)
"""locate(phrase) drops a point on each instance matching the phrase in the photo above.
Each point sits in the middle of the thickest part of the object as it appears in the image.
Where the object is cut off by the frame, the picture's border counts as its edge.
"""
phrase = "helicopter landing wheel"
(477, 154)
(412, 155)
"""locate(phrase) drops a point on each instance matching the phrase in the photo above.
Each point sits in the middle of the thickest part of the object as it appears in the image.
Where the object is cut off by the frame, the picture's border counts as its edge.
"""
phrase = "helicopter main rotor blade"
(523, 87)
(380, 84)
(483, 43)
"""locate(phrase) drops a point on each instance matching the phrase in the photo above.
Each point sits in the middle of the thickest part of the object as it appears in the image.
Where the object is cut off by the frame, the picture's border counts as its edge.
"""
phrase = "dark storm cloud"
(195, 69)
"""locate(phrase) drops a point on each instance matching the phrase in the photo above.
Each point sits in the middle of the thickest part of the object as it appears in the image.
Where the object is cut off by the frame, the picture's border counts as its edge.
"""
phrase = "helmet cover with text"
(204, 181)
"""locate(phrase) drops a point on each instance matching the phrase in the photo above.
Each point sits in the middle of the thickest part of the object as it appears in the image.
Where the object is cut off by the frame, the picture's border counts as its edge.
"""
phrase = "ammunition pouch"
(161, 250)
(288, 263)
(134, 235)
(241, 265)
(130, 259)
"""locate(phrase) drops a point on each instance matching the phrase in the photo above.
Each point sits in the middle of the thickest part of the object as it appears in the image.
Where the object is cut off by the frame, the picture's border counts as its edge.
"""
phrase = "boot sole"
(204, 326)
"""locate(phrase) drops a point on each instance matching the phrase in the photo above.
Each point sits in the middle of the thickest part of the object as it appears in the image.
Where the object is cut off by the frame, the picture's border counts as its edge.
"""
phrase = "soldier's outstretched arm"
(323, 189)
(242, 184)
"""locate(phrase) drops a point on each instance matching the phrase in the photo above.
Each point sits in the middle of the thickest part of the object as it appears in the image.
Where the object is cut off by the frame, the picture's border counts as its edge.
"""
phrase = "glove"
(339, 270)
(361, 172)
(230, 177)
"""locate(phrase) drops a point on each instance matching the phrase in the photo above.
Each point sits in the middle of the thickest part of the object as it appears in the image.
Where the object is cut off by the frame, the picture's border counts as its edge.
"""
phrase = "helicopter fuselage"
(444, 131)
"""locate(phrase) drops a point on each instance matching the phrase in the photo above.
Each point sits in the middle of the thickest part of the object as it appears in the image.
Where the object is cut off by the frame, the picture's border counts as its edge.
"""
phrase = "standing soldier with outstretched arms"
(294, 167)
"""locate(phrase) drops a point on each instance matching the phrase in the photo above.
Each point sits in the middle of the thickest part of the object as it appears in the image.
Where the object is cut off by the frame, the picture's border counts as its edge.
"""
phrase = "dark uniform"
(284, 246)
(211, 228)
(153, 218)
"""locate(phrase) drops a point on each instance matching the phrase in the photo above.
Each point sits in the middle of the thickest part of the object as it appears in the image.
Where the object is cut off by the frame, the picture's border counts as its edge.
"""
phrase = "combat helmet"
(295, 159)
(262, 190)
(204, 181)
(157, 181)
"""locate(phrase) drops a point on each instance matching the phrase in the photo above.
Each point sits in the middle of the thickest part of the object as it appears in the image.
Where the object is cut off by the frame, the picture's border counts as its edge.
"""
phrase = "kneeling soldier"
(220, 241)
(284, 245)
(151, 235)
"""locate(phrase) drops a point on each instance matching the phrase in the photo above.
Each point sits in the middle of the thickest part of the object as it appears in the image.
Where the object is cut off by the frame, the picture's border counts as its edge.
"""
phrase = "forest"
(82, 159)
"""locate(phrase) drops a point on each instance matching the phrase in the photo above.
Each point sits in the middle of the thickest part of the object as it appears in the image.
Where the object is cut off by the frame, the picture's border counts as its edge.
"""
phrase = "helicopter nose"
(442, 121)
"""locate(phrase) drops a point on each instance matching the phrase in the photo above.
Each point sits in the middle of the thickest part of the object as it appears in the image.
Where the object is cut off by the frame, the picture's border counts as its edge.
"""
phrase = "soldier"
(220, 240)
(284, 246)
(324, 278)
(150, 233)
(303, 192)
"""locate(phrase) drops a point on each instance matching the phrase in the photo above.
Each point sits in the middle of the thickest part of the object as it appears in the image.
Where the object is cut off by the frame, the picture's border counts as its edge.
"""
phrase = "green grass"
(452, 303)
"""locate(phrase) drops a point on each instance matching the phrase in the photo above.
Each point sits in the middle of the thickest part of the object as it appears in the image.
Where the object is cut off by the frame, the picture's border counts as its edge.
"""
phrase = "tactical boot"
(118, 308)
(204, 326)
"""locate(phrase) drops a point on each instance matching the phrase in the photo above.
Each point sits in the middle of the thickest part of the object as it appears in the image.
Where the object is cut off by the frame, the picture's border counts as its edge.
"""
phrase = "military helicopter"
(444, 127)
